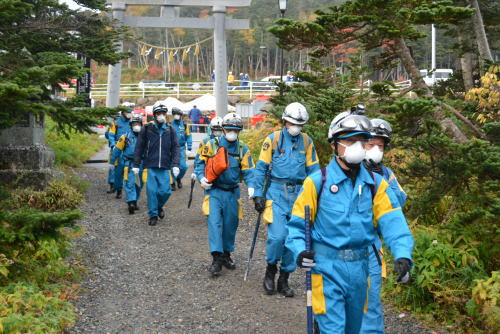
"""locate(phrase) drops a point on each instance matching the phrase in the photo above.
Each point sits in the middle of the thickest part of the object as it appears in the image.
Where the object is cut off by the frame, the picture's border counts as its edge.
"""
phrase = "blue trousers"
(373, 320)
(132, 191)
(339, 293)
(111, 175)
(183, 167)
(277, 232)
(119, 174)
(222, 219)
(157, 189)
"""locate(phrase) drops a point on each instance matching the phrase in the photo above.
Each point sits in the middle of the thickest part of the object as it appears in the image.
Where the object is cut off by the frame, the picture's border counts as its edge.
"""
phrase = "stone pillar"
(220, 60)
(24, 158)
(115, 71)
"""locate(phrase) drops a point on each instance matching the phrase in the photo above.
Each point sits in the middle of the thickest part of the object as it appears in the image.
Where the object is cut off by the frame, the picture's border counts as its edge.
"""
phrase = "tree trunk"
(465, 59)
(482, 40)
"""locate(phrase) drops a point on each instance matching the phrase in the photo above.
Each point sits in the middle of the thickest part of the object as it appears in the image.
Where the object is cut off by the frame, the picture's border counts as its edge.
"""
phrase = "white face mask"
(294, 130)
(136, 128)
(161, 118)
(374, 154)
(355, 153)
(231, 136)
(127, 115)
(177, 117)
(217, 133)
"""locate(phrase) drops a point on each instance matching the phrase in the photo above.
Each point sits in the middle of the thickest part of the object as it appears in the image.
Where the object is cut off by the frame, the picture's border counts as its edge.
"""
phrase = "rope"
(145, 45)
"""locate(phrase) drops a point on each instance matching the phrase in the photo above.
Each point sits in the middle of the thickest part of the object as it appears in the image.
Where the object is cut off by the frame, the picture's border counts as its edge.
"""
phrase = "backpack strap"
(276, 139)
(323, 181)
(372, 186)
(305, 139)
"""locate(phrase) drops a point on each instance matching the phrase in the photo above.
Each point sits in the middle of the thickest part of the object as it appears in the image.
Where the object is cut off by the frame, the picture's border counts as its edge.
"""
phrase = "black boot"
(131, 208)
(216, 266)
(136, 207)
(111, 188)
(118, 194)
(179, 183)
(269, 278)
(153, 221)
(161, 213)
(173, 186)
(227, 261)
(283, 287)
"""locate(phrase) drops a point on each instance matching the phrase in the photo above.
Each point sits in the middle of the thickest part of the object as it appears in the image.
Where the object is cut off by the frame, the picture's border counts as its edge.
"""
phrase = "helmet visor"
(355, 122)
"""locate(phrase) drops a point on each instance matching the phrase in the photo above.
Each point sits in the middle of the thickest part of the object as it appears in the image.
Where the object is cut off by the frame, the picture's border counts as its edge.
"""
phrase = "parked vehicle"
(440, 74)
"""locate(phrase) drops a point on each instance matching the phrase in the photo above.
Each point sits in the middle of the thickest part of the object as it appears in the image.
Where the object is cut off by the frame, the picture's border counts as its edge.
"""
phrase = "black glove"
(402, 267)
(260, 203)
(373, 166)
(306, 259)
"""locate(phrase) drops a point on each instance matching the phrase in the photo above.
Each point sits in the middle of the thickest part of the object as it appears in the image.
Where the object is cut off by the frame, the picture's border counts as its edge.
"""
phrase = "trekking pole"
(191, 193)
(256, 231)
(308, 273)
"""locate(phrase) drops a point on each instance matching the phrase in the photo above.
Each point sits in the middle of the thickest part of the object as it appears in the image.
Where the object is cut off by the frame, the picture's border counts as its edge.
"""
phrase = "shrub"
(58, 196)
(484, 302)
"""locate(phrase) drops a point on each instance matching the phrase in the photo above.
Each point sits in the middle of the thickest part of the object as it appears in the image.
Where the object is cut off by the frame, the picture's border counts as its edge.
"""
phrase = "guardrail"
(195, 89)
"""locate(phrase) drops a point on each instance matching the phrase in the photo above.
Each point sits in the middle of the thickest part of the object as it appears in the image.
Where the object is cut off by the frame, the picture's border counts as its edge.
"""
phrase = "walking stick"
(191, 193)
(256, 231)
(308, 273)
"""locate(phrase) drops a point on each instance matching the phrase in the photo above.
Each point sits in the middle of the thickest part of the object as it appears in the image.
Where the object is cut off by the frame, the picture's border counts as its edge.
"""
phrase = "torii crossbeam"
(169, 19)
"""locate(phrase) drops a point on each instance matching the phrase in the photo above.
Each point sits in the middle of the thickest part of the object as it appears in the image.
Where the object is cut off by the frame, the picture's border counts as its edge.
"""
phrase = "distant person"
(289, 77)
(194, 116)
(246, 80)
(230, 79)
(212, 76)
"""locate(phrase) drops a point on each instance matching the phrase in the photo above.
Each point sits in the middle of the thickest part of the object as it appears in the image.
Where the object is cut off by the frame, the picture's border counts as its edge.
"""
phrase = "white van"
(440, 74)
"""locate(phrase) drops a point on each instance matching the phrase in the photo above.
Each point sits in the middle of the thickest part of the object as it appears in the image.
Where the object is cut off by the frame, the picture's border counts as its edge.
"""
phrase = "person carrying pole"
(291, 156)
(158, 149)
(373, 319)
(119, 127)
(125, 149)
(185, 140)
(223, 163)
(347, 204)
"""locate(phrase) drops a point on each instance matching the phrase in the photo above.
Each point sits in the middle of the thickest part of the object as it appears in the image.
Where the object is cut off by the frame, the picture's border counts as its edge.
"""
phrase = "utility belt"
(348, 255)
(224, 188)
(290, 186)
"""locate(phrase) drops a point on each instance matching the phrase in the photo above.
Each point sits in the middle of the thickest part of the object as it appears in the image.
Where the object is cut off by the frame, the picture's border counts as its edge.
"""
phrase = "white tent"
(204, 103)
(169, 102)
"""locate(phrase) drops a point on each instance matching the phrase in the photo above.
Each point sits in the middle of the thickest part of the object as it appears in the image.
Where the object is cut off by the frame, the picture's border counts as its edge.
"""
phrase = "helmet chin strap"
(348, 164)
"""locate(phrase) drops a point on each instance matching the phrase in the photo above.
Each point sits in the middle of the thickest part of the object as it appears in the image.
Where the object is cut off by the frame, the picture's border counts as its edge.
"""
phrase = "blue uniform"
(118, 128)
(124, 149)
(185, 140)
(373, 319)
(344, 227)
(291, 159)
(158, 150)
(222, 202)
(111, 171)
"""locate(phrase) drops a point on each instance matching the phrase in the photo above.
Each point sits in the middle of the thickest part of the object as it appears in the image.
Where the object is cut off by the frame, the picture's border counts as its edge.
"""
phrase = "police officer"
(222, 199)
(373, 319)
(347, 203)
(215, 131)
(185, 139)
(119, 127)
(158, 149)
(291, 156)
(124, 149)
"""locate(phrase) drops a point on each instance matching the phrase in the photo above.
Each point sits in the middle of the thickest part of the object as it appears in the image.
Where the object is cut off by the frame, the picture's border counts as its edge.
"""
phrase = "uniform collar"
(162, 126)
(339, 175)
(224, 142)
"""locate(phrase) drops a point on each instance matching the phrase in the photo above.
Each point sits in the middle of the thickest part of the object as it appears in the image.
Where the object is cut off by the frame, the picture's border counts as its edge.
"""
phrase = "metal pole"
(433, 53)
(281, 61)
(115, 71)
(220, 61)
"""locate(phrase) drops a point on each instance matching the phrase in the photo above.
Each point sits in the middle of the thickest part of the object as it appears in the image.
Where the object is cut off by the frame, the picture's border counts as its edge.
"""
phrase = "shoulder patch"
(266, 146)
(205, 149)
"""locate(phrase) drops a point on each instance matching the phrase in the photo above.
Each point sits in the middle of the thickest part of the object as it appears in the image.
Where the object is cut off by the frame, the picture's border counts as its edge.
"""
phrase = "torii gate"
(169, 18)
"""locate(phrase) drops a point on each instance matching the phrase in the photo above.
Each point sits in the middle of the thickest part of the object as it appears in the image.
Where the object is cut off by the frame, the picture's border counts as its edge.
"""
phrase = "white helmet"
(381, 128)
(128, 104)
(350, 124)
(232, 121)
(295, 113)
(159, 106)
(216, 124)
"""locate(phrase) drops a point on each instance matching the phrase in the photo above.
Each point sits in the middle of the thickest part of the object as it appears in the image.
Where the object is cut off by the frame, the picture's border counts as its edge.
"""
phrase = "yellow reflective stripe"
(246, 162)
(188, 130)
(205, 207)
(308, 196)
(365, 308)
(384, 264)
(266, 153)
(125, 173)
(318, 296)
(267, 215)
(311, 156)
(240, 209)
(121, 143)
(112, 129)
(145, 175)
(381, 203)
(392, 177)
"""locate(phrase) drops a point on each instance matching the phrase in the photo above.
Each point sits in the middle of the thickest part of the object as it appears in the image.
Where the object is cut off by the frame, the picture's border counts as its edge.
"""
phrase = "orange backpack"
(216, 164)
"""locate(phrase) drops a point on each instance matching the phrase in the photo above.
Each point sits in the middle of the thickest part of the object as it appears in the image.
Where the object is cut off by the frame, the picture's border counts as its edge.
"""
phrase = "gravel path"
(145, 279)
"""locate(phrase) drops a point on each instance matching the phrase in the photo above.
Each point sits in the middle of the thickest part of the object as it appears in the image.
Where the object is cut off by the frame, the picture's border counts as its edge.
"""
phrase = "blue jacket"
(290, 160)
(240, 163)
(119, 127)
(347, 216)
(158, 145)
(183, 134)
(195, 115)
(125, 147)
(395, 186)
